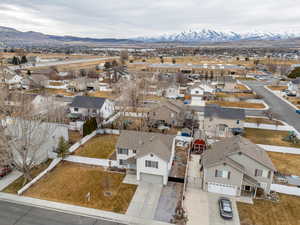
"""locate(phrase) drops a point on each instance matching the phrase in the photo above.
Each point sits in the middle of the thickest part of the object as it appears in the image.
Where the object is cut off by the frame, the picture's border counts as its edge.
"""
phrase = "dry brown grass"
(263, 212)
(294, 100)
(241, 87)
(51, 91)
(269, 137)
(235, 95)
(100, 146)
(287, 164)
(14, 187)
(69, 183)
(277, 88)
(245, 78)
(74, 136)
(102, 94)
(56, 83)
(238, 104)
(263, 121)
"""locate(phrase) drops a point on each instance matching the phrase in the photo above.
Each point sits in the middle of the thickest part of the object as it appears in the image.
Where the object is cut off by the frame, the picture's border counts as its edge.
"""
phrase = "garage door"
(150, 178)
(222, 189)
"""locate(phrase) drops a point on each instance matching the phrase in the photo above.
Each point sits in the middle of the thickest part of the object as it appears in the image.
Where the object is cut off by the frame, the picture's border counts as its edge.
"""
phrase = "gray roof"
(87, 102)
(145, 143)
(222, 150)
(296, 81)
(225, 113)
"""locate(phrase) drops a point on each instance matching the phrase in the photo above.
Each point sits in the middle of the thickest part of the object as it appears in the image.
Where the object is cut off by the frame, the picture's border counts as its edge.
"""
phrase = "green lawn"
(100, 146)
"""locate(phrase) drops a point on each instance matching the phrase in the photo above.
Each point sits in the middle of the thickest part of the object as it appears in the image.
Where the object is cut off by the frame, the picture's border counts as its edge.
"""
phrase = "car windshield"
(227, 207)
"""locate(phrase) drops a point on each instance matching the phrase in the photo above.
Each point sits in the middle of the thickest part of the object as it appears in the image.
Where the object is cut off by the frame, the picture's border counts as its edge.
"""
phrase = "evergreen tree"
(63, 148)
(24, 59)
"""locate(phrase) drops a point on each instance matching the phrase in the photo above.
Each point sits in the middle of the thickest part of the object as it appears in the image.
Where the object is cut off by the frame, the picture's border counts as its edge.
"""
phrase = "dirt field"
(287, 164)
(269, 137)
(100, 146)
(284, 212)
(70, 183)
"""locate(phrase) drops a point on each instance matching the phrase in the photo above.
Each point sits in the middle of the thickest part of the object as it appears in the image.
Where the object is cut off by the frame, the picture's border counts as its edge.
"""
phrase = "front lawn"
(70, 183)
(241, 87)
(238, 104)
(74, 136)
(102, 94)
(277, 88)
(14, 187)
(100, 146)
(263, 212)
(263, 121)
(268, 137)
(287, 164)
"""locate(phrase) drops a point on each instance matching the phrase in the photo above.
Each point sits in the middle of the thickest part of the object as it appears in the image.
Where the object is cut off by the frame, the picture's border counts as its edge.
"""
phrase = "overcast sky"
(132, 18)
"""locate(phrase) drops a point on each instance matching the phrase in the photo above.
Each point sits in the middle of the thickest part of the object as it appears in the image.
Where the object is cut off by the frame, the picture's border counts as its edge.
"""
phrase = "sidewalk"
(78, 210)
(10, 178)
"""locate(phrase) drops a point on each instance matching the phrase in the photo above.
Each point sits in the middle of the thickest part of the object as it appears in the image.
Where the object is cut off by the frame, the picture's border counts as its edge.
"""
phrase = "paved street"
(281, 109)
(13, 214)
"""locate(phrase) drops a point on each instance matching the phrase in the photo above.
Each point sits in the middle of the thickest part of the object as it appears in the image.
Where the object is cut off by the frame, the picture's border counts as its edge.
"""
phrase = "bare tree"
(23, 133)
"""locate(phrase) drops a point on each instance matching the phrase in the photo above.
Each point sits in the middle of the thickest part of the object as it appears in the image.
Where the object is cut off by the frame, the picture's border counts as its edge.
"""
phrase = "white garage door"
(222, 189)
(150, 178)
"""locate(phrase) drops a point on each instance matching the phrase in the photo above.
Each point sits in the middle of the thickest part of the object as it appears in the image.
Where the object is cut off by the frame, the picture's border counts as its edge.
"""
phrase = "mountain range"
(12, 37)
(208, 35)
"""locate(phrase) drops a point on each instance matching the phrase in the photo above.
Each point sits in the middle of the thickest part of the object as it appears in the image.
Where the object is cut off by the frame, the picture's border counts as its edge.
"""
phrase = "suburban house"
(218, 121)
(172, 92)
(236, 166)
(225, 83)
(85, 106)
(170, 112)
(294, 86)
(197, 95)
(38, 80)
(149, 155)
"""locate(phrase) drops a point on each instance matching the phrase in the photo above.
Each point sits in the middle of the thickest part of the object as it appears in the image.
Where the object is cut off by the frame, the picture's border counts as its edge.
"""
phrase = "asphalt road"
(13, 214)
(280, 109)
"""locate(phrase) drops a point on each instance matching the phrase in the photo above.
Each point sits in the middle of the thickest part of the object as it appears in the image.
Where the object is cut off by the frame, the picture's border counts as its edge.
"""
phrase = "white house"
(85, 106)
(149, 155)
(197, 95)
(172, 92)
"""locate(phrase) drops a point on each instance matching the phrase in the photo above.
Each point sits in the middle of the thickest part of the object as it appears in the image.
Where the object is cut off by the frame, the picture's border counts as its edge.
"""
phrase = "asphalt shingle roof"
(146, 142)
(87, 102)
(226, 113)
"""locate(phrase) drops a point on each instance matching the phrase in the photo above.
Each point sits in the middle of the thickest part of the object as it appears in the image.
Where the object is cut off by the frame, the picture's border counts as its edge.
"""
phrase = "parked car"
(4, 170)
(298, 111)
(225, 208)
(291, 94)
(237, 131)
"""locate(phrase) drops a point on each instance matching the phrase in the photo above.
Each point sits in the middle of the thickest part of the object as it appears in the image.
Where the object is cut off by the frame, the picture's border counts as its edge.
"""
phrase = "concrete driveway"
(145, 200)
(214, 213)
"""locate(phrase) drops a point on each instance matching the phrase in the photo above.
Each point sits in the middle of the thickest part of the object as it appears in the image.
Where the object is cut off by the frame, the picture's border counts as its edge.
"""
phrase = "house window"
(76, 109)
(134, 151)
(246, 188)
(222, 173)
(237, 122)
(261, 173)
(122, 151)
(122, 162)
(151, 164)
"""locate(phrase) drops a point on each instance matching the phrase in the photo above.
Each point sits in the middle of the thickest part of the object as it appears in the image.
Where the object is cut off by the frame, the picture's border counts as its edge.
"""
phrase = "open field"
(100, 146)
(277, 88)
(238, 104)
(268, 137)
(287, 164)
(263, 212)
(17, 184)
(263, 121)
(70, 183)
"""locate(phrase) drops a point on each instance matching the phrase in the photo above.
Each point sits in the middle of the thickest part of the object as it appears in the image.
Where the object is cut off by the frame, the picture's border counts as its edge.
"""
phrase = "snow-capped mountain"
(207, 35)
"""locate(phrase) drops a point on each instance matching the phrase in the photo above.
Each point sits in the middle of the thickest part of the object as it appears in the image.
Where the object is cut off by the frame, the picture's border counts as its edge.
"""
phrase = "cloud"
(130, 18)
